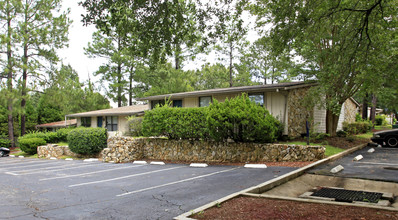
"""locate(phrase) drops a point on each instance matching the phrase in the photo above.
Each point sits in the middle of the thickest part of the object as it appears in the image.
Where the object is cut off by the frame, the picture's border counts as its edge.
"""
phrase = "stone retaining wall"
(127, 149)
(53, 150)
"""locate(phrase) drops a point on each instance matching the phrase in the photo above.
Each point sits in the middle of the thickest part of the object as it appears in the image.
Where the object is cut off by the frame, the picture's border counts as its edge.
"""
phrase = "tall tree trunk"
(373, 109)
(119, 83)
(119, 75)
(23, 93)
(230, 64)
(24, 71)
(331, 123)
(177, 54)
(365, 107)
(131, 86)
(273, 74)
(10, 78)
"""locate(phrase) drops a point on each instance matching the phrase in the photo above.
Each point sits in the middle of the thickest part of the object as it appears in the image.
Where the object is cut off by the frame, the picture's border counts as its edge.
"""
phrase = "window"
(111, 123)
(177, 103)
(204, 101)
(258, 98)
(154, 103)
(86, 121)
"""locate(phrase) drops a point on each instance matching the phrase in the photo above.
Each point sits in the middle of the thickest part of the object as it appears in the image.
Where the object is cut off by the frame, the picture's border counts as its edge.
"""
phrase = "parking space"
(382, 165)
(58, 189)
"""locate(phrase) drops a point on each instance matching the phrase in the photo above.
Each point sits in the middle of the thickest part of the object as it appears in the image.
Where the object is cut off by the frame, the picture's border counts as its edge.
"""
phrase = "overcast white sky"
(79, 36)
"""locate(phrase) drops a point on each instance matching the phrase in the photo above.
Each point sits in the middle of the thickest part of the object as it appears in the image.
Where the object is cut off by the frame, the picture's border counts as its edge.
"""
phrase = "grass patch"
(21, 153)
(330, 150)
(365, 136)
(383, 127)
(62, 144)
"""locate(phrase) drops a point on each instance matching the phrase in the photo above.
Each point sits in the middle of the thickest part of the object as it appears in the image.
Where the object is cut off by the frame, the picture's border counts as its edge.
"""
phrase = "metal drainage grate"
(343, 195)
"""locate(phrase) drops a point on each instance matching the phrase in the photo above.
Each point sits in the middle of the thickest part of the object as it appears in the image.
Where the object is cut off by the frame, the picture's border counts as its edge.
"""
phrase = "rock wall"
(297, 112)
(53, 150)
(127, 149)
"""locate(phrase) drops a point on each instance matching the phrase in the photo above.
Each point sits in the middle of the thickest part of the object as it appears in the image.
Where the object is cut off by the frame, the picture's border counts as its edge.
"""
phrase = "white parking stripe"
(123, 177)
(94, 172)
(12, 162)
(176, 182)
(40, 163)
(46, 168)
(46, 171)
(393, 164)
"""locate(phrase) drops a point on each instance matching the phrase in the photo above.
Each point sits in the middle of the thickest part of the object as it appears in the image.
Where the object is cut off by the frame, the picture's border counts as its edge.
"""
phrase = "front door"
(99, 122)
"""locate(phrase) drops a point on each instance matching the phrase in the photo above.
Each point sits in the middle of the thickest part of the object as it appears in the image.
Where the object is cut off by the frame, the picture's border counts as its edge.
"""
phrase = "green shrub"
(238, 119)
(35, 134)
(5, 143)
(341, 133)
(87, 141)
(176, 123)
(320, 136)
(135, 126)
(63, 134)
(358, 117)
(29, 145)
(357, 127)
(241, 120)
(51, 137)
(380, 120)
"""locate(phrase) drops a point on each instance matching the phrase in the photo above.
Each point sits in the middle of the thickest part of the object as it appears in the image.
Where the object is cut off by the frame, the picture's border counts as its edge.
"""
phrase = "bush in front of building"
(238, 119)
(241, 120)
(380, 120)
(176, 123)
(359, 127)
(87, 141)
(51, 136)
(29, 145)
(135, 126)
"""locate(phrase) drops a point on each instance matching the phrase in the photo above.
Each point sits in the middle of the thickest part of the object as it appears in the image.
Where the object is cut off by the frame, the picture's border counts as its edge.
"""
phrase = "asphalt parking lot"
(381, 165)
(59, 189)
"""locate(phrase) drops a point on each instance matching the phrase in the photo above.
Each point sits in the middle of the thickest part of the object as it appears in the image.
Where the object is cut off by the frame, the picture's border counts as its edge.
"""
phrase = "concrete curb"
(271, 183)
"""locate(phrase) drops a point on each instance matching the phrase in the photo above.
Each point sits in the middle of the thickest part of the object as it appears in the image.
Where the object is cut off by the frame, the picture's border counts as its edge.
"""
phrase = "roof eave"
(224, 91)
(104, 114)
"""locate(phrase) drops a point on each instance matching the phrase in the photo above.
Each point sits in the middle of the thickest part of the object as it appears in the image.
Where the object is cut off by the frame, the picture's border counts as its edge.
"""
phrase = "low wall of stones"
(53, 150)
(127, 149)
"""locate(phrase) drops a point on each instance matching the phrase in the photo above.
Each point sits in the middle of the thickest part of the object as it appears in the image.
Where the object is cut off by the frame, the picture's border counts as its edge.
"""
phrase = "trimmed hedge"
(176, 123)
(51, 137)
(238, 119)
(241, 120)
(87, 141)
(29, 145)
(359, 127)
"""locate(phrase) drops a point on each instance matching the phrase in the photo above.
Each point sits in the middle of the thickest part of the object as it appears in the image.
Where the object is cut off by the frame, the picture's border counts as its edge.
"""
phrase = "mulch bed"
(261, 208)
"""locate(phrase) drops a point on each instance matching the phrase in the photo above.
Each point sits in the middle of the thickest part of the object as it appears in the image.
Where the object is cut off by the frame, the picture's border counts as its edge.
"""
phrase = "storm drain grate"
(344, 195)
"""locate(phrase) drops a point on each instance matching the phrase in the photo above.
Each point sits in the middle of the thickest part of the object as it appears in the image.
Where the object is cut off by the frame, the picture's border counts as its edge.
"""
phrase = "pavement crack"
(163, 199)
